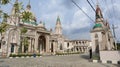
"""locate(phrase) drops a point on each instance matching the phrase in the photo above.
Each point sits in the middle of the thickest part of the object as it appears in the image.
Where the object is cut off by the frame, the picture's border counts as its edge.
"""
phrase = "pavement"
(78, 60)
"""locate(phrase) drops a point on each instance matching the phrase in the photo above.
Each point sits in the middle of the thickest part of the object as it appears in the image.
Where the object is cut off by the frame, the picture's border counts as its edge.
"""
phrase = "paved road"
(53, 61)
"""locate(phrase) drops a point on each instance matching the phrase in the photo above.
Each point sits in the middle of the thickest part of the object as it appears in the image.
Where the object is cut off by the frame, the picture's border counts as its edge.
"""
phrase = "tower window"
(96, 36)
(61, 47)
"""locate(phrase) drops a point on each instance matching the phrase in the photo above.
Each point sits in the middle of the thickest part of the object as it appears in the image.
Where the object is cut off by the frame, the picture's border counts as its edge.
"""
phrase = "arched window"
(61, 47)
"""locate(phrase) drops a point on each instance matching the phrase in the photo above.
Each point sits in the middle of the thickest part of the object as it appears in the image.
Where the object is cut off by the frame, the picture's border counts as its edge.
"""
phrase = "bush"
(23, 54)
(67, 53)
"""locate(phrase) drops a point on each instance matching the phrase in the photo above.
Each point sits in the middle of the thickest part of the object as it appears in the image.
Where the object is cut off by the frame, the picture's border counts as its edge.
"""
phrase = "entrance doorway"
(41, 44)
(52, 47)
(12, 47)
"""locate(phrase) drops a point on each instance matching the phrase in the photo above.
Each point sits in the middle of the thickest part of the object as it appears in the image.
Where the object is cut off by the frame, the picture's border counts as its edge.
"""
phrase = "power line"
(107, 8)
(90, 5)
(82, 11)
(93, 2)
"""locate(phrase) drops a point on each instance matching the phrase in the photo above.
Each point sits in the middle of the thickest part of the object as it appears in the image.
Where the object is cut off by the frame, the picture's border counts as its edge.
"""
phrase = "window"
(96, 36)
(67, 44)
(61, 47)
(0, 45)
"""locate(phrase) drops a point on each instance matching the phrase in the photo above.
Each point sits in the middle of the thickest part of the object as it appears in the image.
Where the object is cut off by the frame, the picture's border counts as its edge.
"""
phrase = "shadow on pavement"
(85, 57)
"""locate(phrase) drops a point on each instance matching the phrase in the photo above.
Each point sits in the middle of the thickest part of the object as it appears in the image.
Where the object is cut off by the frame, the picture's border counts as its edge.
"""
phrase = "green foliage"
(67, 53)
(25, 42)
(23, 54)
(4, 2)
(18, 7)
(3, 27)
(118, 46)
(27, 16)
(5, 16)
(95, 57)
(23, 30)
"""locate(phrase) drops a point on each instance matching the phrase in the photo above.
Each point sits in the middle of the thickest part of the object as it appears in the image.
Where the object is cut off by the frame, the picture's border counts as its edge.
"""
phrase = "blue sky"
(75, 24)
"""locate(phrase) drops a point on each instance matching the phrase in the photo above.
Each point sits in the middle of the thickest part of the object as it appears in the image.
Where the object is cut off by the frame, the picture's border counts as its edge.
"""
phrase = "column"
(47, 44)
(36, 42)
(22, 48)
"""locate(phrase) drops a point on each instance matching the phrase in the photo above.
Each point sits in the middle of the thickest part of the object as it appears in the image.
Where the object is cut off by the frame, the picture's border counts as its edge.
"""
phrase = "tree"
(24, 40)
(25, 43)
(27, 16)
(4, 2)
(23, 30)
(3, 28)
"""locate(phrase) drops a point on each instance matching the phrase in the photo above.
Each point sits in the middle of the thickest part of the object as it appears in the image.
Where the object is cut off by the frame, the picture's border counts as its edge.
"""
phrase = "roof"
(28, 22)
(97, 25)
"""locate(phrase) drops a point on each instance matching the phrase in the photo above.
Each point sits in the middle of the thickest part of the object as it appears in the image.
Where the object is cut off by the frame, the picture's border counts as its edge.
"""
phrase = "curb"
(105, 61)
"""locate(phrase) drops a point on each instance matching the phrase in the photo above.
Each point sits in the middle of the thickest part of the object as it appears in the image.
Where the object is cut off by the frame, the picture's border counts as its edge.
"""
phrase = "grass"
(95, 57)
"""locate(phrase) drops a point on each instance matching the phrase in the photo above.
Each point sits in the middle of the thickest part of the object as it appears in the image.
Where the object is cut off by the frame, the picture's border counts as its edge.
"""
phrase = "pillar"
(47, 44)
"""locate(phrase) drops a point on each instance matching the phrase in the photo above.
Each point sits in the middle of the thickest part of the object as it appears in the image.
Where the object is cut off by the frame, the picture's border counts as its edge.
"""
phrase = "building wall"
(113, 56)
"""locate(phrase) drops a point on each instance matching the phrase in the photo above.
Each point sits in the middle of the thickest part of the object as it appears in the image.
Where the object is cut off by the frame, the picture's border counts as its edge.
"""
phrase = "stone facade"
(101, 35)
(39, 39)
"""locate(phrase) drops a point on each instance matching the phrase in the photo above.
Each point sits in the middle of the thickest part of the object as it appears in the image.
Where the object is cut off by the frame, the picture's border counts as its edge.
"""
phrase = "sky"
(75, 24)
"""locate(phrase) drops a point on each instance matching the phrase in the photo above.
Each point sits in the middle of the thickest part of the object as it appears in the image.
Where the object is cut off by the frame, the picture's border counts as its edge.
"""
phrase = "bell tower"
(58, 28)
(101, 35)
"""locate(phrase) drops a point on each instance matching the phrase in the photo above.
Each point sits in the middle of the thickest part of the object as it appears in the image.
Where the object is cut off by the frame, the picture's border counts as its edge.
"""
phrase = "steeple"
(99, 16)
(14, 9)
(29, 6)
(58, 28)
(58, 20)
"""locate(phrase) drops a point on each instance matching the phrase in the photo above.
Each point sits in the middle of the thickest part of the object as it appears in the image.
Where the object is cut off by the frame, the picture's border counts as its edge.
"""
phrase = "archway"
(42, 44)
(52, 47)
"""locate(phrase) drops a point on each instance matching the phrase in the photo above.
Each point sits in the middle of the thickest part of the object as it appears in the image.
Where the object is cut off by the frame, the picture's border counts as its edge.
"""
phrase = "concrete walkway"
(53, 61)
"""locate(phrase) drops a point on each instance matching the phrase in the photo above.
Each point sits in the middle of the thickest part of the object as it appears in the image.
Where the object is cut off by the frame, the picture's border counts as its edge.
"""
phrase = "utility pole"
(113, 27)
(114, 35)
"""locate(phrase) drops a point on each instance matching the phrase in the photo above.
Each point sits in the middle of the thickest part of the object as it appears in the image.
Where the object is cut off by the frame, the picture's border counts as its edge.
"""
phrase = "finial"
(29, 2)
(58, 18)
(16, 1)
(29, 6)
(97, 2)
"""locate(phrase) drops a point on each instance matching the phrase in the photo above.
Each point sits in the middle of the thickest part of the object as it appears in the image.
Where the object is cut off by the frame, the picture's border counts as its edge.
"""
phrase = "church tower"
(14, 8)
(58, 28)
(14, 16)
(101, 35)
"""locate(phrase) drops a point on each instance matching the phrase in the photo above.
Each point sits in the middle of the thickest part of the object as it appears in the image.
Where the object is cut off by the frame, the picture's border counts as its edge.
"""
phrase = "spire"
(16, 1)
(14, 8)
(58, 28)
(29, 6)
(58, 21)
(98, 12)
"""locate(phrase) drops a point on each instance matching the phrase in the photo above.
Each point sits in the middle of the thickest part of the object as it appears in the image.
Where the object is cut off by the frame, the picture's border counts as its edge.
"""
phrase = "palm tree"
(25, 43)
(26, 16)
(24, 40)
(4, 2)
(3, 28)
(23, 30)
(18, 7)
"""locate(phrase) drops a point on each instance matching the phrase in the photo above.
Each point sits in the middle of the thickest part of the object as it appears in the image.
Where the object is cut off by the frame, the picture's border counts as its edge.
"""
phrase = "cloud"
(75, 24)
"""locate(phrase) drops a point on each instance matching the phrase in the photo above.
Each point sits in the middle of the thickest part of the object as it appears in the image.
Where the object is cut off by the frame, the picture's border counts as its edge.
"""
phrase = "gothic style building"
(101, 35)
(37, 38)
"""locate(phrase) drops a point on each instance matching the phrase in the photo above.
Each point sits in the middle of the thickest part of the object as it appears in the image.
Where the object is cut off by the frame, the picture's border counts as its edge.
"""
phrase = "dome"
(41, 24)
(97, 25)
